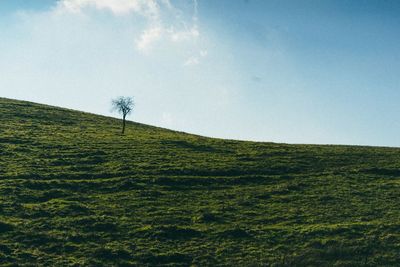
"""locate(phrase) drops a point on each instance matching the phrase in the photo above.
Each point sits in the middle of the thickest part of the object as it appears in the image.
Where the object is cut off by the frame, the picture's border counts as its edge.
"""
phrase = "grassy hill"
(73, 191)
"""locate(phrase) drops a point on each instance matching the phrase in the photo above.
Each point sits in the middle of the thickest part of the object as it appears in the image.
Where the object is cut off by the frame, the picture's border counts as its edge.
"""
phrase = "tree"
(124, 106)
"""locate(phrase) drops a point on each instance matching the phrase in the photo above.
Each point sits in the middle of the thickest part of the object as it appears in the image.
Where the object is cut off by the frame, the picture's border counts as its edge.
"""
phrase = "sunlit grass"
(74, 191)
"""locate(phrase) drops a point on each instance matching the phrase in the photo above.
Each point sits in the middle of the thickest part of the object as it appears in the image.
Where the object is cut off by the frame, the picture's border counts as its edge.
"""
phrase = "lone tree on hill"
(124, 106)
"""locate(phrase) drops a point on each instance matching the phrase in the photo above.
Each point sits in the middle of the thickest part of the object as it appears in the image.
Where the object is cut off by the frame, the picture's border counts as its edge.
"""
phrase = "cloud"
(148, 37)
(183, 35)
(195, 60)
(191, 61)
(149, 8)
(165, 21)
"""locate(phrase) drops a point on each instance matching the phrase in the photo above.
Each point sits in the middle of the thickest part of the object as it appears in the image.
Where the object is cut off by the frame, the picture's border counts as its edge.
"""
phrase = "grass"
(74, 192)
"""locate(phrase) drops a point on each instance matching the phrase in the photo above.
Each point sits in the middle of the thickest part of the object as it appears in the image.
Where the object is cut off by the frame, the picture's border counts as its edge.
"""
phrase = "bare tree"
(124, 106)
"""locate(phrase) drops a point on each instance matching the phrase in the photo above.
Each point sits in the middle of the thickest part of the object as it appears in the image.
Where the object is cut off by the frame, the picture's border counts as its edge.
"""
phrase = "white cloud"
(195, 60)
(191, 61)
(155, 33)
(148, 8)
(148, 37)
(165, 21)
(183, 35)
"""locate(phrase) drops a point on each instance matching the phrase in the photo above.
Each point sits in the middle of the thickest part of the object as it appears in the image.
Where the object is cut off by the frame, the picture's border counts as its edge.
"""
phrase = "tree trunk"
(123, 124)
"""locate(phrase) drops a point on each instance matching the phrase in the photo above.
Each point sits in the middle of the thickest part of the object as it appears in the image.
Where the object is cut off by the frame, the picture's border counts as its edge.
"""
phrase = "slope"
(74, 192)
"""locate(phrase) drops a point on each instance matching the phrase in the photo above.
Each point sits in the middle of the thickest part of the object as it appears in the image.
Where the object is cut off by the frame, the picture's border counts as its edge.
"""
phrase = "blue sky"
(284, 71)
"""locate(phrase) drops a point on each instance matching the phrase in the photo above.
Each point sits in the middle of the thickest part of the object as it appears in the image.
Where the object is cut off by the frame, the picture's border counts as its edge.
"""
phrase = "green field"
(74, 191)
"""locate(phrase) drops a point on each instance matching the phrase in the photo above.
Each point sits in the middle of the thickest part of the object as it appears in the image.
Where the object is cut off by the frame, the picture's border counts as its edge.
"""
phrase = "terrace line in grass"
(75, 193)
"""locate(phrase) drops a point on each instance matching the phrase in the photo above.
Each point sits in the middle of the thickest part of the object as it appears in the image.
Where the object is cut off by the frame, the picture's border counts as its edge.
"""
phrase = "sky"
(300, 71)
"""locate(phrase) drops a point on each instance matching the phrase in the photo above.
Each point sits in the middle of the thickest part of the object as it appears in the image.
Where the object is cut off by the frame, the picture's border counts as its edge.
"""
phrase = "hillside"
(73, 191)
